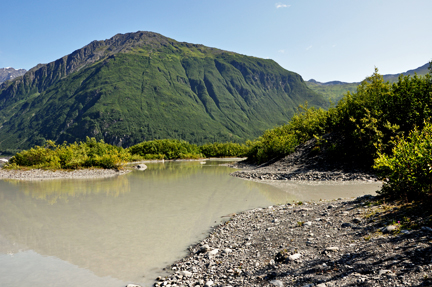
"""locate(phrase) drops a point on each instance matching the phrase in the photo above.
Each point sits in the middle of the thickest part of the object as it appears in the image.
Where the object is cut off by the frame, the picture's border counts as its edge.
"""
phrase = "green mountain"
(332, 91)
(335, 90)
(420, 71)
(143, 86)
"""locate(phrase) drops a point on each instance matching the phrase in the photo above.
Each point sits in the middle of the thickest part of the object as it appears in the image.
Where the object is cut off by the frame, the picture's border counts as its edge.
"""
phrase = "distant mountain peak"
(10, 73)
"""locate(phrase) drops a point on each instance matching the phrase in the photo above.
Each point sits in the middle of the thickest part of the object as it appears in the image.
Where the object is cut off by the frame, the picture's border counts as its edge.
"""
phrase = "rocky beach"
(332, 243)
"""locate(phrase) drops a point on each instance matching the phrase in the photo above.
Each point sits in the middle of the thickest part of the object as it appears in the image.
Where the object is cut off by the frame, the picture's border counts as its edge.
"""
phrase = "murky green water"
(110, 232)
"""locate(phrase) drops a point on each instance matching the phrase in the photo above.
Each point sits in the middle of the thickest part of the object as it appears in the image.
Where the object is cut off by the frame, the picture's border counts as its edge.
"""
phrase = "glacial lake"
(114, 231)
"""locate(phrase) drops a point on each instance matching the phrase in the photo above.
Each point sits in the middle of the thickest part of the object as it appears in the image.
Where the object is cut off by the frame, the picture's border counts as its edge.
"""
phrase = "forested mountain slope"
(142, 86)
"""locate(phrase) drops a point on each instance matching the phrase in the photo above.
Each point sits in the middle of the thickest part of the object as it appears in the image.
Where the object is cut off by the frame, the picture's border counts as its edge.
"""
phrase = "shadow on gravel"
(379, 257)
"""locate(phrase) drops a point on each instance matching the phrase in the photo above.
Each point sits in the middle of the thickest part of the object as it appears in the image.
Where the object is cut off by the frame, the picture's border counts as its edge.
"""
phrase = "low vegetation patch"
(224, 150)
(90, 153)
(282, 140)
(400, 214)
(166, 149)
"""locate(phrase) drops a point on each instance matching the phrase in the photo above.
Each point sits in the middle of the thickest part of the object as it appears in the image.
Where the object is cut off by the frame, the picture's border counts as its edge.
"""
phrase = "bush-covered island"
(98, 154)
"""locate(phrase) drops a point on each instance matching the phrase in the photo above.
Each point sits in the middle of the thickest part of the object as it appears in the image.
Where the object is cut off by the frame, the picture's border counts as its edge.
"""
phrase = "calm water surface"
(110, 232)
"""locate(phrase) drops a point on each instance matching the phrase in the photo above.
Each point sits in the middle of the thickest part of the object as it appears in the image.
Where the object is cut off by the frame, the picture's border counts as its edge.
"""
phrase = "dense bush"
(224, 150)
(377, 112)
(407, 171)
(282, 140)
(90, 153)
(166, 149)
(177, 149)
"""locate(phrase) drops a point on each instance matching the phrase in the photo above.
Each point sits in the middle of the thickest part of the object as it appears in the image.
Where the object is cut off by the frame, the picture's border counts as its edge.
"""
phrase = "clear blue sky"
(325, 40)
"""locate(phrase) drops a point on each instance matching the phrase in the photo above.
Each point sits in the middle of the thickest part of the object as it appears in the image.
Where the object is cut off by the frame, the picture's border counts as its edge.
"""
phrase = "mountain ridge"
(334, 90)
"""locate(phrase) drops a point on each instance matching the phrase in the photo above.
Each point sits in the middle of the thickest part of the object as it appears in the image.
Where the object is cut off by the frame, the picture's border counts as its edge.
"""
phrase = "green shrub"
(37, 157)
(228, 149)
(71, 156)
(378, 112)
(407, 171)
(168, 148)
(282, 140)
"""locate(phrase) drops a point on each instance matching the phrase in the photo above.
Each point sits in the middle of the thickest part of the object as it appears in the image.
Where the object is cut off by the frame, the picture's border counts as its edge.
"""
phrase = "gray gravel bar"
(332, 243)
(39, 174)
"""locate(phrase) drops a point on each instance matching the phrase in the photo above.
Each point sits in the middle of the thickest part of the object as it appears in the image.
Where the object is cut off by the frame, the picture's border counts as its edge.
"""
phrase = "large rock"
(141, 166)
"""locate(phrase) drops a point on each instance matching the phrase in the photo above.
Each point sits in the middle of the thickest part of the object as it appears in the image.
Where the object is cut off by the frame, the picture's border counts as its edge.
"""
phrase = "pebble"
(356, 220)
(186, 273)
(382, 272)
(277, 283)
(204, 248)
(389, 228)
(426, 228)
(294, 256)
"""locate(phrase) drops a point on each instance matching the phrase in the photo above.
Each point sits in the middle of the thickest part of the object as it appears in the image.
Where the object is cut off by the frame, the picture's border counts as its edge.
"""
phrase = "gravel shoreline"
(306, 176)
(39, 174)
(306, 164)
(331, 243)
